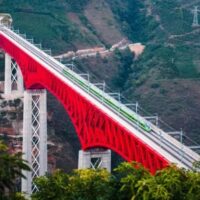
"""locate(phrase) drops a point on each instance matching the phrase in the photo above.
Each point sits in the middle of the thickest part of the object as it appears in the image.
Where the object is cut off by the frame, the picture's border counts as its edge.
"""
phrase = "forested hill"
(165, 78)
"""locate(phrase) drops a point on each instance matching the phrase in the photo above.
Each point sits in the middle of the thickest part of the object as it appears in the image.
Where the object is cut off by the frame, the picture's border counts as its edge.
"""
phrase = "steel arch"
(93, 126)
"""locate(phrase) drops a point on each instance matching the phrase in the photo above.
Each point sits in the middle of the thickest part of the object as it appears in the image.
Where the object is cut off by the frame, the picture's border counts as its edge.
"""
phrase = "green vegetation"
(81, 184)
(165, 28)
(128, 181)
(47, 22)
(136, 30)
(125, 68)
(10, 171)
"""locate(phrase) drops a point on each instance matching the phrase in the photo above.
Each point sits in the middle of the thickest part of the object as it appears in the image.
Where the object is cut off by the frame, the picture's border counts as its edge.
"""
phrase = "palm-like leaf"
(10, 169)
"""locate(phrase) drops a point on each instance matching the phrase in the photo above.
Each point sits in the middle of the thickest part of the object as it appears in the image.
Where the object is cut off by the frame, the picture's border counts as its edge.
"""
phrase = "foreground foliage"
(129, 181)
(10, 170)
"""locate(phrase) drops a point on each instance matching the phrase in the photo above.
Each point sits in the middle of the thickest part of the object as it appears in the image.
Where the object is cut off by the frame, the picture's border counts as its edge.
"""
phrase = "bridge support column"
(34, 137)
(7, 82)
(95, 158)
(13, 77)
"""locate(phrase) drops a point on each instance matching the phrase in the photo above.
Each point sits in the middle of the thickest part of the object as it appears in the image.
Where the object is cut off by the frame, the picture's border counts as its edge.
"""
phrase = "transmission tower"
(195, 18)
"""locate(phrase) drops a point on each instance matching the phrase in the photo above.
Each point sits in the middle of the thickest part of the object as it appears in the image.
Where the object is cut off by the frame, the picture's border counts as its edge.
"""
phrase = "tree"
(149, 188)
(130, 181)
(128, 175)
(85, 184)
(10, 169)
(171, 183)
(125, 68)
(193, 186)
(54, 186)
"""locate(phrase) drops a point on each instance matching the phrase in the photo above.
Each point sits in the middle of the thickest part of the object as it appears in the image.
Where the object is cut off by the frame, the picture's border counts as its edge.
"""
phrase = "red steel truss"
(93, 126)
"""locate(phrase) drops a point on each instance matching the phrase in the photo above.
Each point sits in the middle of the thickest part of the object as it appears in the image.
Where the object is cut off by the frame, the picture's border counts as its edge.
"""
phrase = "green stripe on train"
(130, 117)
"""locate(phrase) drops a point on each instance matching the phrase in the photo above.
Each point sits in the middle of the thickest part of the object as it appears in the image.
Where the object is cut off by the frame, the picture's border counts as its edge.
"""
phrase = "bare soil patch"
(101, 17)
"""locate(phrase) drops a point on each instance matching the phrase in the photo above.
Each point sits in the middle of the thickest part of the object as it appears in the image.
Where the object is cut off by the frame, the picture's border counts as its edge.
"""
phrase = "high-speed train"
(107, 100)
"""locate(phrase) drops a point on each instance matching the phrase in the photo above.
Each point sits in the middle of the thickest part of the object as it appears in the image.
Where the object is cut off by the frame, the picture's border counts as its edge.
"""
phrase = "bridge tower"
(34, 137)
(34, 118)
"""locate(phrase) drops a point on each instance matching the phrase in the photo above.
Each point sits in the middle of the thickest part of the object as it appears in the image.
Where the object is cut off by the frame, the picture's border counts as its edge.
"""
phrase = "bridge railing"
(118, 105)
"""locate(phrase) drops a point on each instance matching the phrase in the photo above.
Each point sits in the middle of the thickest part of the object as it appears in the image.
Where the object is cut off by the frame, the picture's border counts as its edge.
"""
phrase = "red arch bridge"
(100, 121)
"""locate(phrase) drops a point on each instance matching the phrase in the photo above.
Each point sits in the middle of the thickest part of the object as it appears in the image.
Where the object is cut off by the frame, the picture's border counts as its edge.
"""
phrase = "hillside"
(164, 79)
